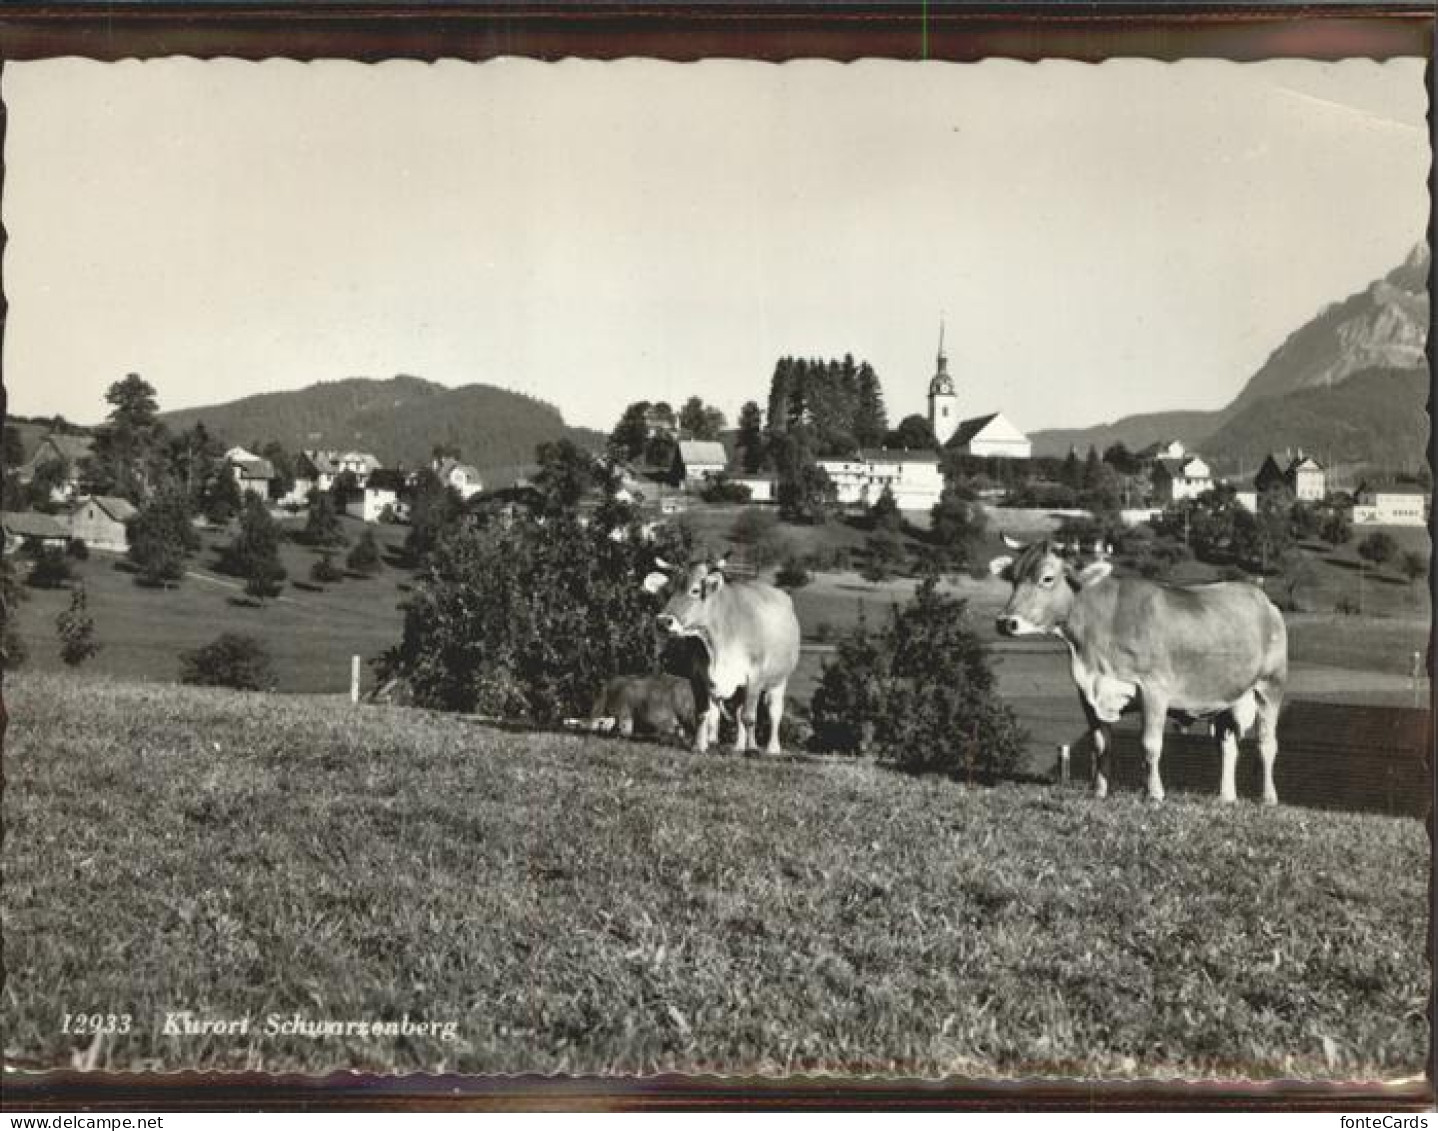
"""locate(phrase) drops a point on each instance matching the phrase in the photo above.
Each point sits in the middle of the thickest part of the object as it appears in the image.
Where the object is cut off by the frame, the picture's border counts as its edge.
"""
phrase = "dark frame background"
(959, 31)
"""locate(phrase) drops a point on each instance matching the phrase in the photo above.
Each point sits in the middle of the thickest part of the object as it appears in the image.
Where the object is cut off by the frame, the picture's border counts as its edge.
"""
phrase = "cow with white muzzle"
(1215, 651)
(750, 634)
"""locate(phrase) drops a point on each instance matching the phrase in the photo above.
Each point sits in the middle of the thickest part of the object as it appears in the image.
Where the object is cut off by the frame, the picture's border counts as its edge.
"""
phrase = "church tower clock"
(943, 401)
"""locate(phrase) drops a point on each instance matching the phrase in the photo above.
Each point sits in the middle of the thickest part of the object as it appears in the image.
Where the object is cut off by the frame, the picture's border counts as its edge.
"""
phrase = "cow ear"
(655, 581)
(1090, 574)
(1002, 566)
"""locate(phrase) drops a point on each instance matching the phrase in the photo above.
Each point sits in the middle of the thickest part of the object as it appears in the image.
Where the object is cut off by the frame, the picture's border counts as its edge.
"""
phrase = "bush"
(920, 694)
(722, 489)
(76, 629)
(322, 525)
(793, 574)
(364, 558)
(230, 660)
(12, 645)
(325, 570)
(161, 539)
(78, 550)
(1378, 548)
(1414, 565)
(51, 570)
(528, 619)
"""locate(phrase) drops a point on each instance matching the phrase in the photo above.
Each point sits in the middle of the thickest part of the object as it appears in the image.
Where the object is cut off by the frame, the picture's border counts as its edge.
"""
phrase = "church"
(989, 435)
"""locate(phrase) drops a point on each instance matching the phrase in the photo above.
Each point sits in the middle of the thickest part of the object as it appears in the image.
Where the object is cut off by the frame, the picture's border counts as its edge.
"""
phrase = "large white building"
(990, 435)
(913, 477)
(1391, 506)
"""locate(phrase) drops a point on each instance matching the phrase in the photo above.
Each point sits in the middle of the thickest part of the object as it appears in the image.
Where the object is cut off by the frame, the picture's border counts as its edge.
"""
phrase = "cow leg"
(746, 724)
(1227, 730)
(625, 727)
(1155, 714)
(706, 726)
(774, 698)
(1101, 740)
(1270, 699)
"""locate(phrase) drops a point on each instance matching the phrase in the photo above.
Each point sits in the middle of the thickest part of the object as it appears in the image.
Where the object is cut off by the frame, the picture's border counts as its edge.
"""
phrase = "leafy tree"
(631, 434)
(956, 522)
(76, 628)
(254, 554)
(195, 460)
(751, 437)
(364, 558)
(12, 448)
(566, 474)
(12, 594)
(871, 419)
(884, 514)
(128, 459)
(48, 483)
(1298, 573)
(530, 618)
(700, 421)
(1378, 548)
(915, 432)
(1123, 461)
(161, 538)
(780, 394)
(50, 570)
(345, 487)
(1335, 525)
(721, 489)
(885, 555)
(284, 464)
(435, 508)
(322, 524)
(1414, 565)
(1260, 539)
(921, 691)
(233, 660)
(805, 492)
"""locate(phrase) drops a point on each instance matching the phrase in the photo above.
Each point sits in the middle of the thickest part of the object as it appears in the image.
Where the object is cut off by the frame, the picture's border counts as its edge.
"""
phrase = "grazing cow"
(659, 705)
(1189, 651)
(752, 637)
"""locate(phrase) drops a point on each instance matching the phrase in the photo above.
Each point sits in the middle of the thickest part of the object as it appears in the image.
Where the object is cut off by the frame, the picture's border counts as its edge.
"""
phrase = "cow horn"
(1011, 543)
(662, 564)
(723, 562)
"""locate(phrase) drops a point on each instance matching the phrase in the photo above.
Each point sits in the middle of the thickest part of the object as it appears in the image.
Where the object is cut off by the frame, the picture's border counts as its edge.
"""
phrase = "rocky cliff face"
(1382, 327)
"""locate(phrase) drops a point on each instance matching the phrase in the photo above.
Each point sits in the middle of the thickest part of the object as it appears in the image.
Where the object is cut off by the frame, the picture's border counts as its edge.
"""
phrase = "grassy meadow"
(582, 905)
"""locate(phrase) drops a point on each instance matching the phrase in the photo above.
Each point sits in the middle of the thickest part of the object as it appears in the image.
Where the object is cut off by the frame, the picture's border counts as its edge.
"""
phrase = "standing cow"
(1191, 651)
(752, 637)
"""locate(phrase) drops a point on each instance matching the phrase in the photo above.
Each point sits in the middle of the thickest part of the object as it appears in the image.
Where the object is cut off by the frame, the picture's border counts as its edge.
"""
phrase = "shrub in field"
(920, 694)
(162, 538)
(884, 556)
(325, 570)
(78, 550)
(793, 574)
(530, 618)
(255, 552)
(1414, 564)
(364, 558)
(322, 525)
(50, 570)
(722, 489)
(232, 659)
(1378, 548)
(76, 629)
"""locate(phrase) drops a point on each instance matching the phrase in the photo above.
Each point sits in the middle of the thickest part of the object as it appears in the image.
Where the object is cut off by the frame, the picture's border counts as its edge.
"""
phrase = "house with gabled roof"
(100, 522)
(698, 460)
(22, 528)
(990, 435)
(69, 451)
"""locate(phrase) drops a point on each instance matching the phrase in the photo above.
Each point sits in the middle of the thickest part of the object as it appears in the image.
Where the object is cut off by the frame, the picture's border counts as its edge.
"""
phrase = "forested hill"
(399, 420)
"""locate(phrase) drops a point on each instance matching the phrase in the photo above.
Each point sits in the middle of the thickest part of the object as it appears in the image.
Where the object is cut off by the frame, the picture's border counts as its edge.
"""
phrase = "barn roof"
(32, 524)
(703, 451)
(121, 510)
(255, 468)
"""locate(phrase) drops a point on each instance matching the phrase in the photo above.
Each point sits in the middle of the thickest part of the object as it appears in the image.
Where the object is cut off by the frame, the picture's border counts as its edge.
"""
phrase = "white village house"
(33, 528)
(461, 476)
(1392, 505)
(914, 477)
(252, 473)
(1185, 477)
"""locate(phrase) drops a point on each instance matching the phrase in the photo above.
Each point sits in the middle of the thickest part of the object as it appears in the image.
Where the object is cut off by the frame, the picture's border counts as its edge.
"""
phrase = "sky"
(1099, 240)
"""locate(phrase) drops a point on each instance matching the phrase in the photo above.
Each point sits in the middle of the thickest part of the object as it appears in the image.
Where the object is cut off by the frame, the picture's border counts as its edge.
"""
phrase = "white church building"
(989, 435)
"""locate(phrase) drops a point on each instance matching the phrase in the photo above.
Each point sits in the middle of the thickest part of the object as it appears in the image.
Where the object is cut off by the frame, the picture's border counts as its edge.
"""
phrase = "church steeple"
(943, 401)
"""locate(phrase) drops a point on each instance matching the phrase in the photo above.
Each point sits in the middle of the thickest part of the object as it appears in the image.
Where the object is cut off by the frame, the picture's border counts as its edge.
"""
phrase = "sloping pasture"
(581, 905)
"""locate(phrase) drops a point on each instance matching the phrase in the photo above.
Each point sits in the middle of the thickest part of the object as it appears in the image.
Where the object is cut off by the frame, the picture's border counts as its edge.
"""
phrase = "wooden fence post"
(354, 679)
(1063, 763)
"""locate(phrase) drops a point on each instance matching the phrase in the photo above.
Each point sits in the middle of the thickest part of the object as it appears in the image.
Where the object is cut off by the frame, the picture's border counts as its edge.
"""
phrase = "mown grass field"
(582, 905)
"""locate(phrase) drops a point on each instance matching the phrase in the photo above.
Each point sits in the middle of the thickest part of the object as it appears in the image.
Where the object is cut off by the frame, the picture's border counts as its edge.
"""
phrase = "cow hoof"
(1227, 799)
(1270, 800)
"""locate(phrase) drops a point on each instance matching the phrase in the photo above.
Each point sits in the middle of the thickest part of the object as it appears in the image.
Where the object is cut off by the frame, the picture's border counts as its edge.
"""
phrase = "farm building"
(697, 460)
(1163, 449)
(1391, 506)
(30, 528)
(99, 521)
(1186, 477)
(1306, 479)
(991, 435)
(319, 468)
(252, 473)
(69, 451)
(913, 477)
